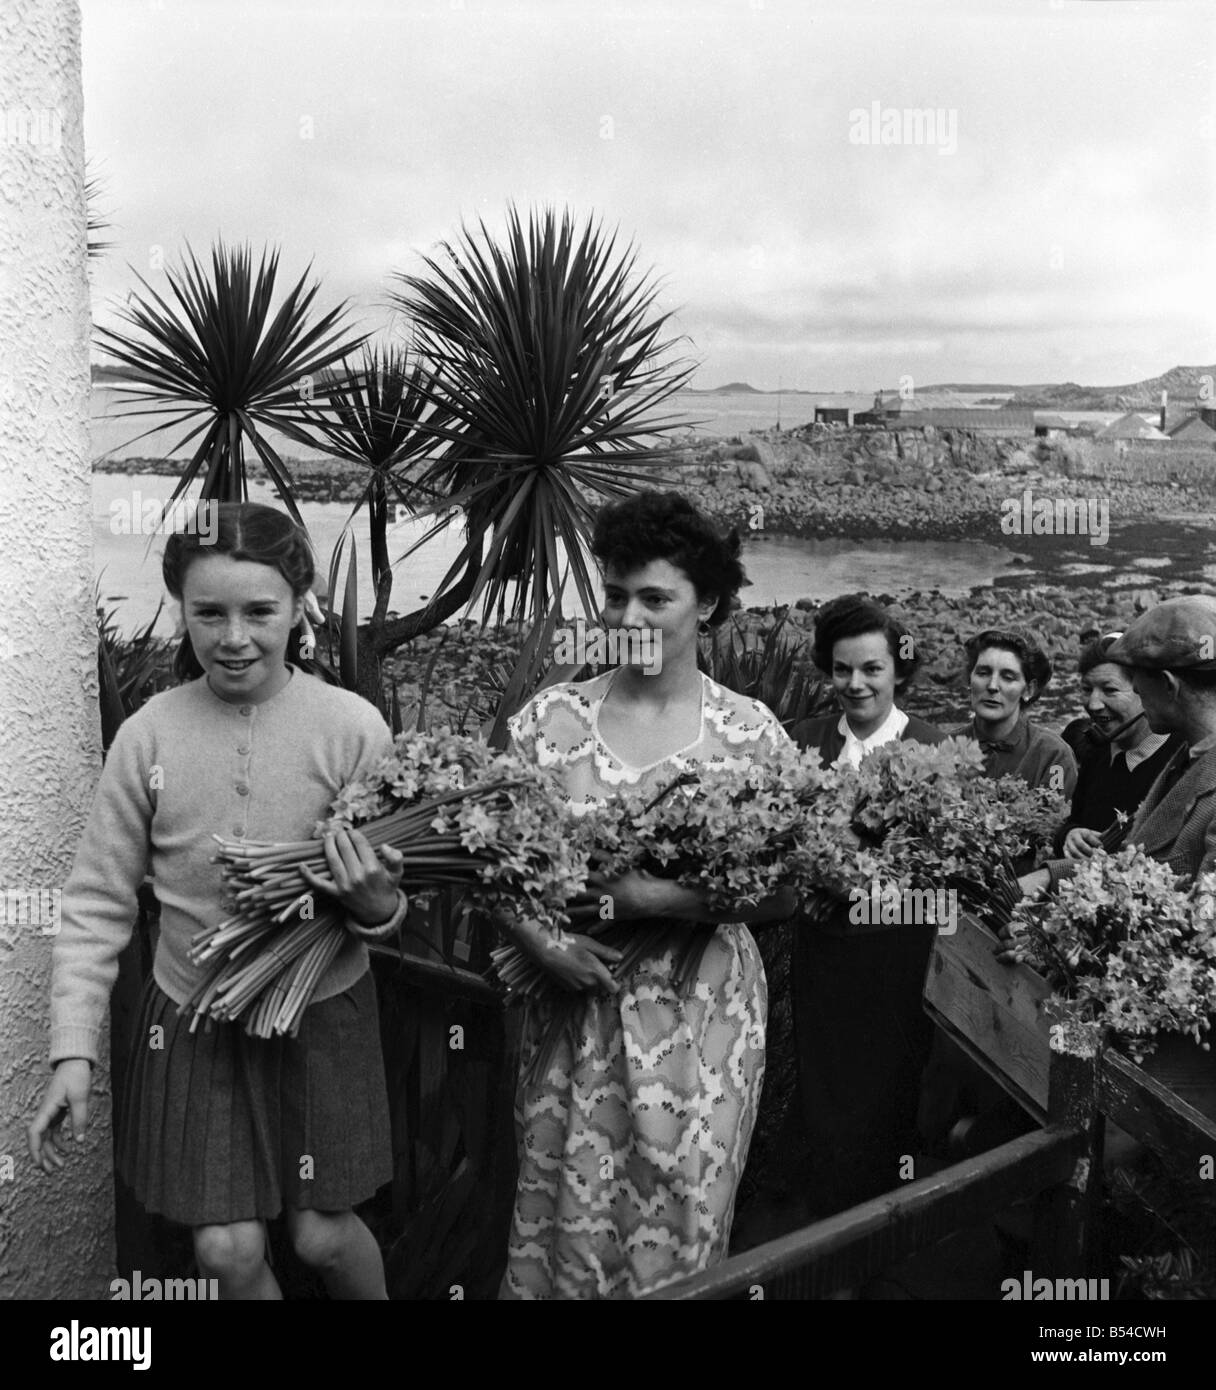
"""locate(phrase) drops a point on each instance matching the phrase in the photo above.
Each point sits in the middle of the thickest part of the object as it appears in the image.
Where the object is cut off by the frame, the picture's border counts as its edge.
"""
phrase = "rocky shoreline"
(825, 481)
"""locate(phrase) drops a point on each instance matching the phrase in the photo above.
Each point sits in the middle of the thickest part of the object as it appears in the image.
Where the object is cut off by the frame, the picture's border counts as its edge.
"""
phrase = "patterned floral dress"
(633, 1141)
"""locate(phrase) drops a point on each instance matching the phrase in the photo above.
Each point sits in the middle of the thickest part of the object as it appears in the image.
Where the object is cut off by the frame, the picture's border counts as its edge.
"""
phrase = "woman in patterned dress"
(633, 1139)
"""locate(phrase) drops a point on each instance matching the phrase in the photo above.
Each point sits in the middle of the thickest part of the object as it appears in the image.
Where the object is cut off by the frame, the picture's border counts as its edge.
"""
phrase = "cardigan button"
(246, 710)
(242, 789)
(243, 749)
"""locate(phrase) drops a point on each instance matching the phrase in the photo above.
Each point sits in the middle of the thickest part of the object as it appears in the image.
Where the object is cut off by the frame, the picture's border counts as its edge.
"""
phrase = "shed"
(1130, 426)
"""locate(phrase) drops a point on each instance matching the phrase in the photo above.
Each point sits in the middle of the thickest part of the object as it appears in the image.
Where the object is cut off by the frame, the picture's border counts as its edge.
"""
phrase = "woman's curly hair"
(666, 526)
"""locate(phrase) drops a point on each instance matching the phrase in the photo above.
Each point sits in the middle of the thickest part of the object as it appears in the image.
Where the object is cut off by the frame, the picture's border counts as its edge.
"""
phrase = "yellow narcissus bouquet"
(1127, 946)
(737, 835)
(460, 813)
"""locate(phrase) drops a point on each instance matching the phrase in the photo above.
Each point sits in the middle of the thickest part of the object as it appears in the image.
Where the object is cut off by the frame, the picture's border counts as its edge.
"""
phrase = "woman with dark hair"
(1008, 671)
(962, 1108)
(862, 1035)
(633, 1137)
(870, 657)
(215, 1122)
(1120, 757)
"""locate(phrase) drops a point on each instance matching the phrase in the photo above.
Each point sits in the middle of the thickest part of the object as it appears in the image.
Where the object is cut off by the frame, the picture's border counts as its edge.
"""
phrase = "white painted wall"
(56, 1233)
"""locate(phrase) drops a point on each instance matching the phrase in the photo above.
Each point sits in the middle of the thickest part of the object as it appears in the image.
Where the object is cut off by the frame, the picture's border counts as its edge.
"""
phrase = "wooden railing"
(1059, 1166)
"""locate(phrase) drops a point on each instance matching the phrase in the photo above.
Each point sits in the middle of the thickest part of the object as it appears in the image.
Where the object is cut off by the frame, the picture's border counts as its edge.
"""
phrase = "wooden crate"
(992, 1011)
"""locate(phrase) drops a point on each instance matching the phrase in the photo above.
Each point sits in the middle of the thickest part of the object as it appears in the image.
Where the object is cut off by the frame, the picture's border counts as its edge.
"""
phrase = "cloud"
(1074, 209)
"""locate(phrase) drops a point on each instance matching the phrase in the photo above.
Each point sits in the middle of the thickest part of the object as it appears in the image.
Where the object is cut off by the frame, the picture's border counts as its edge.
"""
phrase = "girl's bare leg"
(235, 1255)
(342, 1250)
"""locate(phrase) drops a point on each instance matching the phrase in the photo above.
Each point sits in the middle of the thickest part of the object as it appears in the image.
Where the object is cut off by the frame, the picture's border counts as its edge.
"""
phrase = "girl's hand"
(67, 1093)
(363, 879)
(635, 894)
(1081, 842)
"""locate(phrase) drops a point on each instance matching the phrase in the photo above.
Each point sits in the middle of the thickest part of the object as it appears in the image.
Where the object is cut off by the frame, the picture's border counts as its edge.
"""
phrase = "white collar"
(1144, 749)
(887, 732)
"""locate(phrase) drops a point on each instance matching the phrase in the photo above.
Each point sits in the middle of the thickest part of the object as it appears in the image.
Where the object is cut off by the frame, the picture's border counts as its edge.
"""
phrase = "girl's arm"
(100, 902)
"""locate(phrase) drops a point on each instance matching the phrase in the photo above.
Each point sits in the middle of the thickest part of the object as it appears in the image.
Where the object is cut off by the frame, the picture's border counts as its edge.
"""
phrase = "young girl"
(222, 1131)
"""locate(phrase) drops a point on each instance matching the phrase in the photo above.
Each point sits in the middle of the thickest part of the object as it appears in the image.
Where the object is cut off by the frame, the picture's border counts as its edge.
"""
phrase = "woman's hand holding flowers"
(633, 894)
(575, 961)
(1080, 842)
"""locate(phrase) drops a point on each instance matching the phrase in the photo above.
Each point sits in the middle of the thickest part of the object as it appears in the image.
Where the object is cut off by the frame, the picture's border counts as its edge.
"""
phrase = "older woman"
(1121, 756)
(962, 1109)
(862, 1036)
(634, 1137)
(1008, 671)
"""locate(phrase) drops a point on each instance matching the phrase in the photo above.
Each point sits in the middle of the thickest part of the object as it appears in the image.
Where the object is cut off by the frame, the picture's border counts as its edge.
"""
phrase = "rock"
(753, 476)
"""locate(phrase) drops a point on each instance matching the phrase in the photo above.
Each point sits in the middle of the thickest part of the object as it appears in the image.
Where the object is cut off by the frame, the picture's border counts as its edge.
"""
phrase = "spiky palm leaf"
(95, 223)
(371, 418)
(217, 362)
(772, 667)
(549, 359)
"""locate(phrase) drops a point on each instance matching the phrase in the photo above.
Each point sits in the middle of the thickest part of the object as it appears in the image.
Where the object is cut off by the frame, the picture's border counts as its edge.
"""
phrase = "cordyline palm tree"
(376, 416)
(217, 361)
(548, 363)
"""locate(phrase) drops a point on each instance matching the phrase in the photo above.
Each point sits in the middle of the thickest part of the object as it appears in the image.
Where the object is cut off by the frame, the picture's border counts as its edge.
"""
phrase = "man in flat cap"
(1171, 651)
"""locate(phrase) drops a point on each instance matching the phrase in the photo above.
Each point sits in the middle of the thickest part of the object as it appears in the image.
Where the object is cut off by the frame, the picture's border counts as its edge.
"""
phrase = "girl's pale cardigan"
(183, 768)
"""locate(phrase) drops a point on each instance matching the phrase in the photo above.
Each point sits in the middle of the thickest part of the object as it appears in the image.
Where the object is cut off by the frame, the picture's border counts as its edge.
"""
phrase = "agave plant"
(548, 363)
(772, 667)
(218, 362)
(130, 670)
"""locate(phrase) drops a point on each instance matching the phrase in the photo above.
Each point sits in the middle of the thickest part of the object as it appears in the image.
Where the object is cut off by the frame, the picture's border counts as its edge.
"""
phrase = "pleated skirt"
(220, 1127)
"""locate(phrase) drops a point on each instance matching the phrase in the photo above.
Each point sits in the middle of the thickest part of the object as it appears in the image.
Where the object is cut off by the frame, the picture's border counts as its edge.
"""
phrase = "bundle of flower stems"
(268, 958)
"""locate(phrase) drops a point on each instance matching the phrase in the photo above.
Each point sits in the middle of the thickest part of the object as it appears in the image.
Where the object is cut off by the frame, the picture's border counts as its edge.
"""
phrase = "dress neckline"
(658, 762)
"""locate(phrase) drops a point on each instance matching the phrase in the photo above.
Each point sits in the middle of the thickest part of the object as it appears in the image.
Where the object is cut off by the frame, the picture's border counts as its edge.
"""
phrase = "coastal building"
(1192, 429)
(1133, 425)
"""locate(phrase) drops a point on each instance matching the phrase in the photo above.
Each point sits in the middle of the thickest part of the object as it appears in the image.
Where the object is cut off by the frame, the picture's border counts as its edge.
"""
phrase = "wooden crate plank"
(995, 1008)
(1181, 1135)
(855, 1245)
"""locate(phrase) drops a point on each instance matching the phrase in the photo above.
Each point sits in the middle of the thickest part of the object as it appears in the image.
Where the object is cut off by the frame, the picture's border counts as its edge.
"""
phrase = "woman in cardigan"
(862, 1035)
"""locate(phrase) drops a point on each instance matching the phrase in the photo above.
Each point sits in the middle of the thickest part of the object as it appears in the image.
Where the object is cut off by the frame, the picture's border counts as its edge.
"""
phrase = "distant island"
(1184, 385)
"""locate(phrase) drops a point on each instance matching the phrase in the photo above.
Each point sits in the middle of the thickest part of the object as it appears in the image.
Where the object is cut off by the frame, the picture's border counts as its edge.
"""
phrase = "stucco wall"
(56, 1233)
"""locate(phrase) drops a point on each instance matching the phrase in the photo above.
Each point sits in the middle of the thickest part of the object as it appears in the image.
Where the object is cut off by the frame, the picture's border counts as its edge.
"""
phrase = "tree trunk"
(390, 635)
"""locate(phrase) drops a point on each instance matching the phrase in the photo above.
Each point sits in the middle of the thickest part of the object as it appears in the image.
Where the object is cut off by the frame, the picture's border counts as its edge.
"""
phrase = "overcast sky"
(1057, 220)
